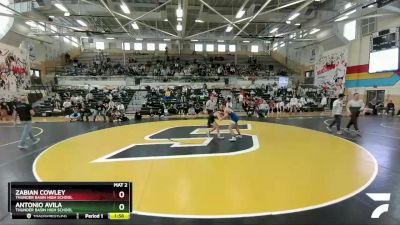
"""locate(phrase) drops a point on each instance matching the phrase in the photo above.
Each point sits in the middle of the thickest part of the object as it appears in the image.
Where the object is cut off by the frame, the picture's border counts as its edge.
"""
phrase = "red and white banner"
(330, 71)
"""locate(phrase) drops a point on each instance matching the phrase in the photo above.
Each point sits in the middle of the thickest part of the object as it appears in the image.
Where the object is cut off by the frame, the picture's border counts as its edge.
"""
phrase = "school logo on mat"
(170, 143)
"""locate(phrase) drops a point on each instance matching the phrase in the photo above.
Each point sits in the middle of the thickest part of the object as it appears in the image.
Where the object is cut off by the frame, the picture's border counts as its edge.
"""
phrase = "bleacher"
(46, 107)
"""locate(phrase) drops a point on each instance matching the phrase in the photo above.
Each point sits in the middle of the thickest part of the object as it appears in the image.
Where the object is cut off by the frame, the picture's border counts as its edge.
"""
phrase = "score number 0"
(121, 206)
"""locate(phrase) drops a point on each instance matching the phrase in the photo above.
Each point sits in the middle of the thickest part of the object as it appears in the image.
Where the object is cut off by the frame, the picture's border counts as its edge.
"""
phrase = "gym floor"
(306, 177)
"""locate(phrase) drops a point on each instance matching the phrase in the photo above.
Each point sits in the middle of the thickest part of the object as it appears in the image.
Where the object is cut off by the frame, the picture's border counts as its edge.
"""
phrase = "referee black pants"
(353, 120)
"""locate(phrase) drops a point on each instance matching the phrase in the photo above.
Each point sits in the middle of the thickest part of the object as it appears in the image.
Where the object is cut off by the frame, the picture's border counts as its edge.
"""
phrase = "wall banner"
(330, 71)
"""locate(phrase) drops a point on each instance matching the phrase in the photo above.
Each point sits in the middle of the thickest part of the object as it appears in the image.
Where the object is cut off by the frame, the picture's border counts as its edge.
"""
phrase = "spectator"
(4, 109)
(390, 108)
(75, 116)
(67, 107)
(25, 112)
(229, 103)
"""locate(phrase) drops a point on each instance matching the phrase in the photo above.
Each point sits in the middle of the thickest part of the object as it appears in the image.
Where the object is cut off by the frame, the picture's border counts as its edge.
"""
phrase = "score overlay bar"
(72, 200)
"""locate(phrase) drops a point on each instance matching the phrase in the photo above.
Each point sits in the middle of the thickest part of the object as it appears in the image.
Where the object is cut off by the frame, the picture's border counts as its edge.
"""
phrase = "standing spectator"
(229, 103)
(25, 112)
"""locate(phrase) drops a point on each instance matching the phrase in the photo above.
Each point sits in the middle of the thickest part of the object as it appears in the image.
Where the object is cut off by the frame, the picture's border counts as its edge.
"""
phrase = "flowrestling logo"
(380, 197)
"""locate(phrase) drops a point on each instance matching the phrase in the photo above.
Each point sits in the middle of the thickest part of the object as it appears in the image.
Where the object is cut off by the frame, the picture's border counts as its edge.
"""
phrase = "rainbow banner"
(358, 76)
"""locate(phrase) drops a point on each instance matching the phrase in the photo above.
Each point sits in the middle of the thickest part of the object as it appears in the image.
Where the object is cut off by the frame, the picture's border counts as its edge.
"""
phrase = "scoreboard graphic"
(73, 200)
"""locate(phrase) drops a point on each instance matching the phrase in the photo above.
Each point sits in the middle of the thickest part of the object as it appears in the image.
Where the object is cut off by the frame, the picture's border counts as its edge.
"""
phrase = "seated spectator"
(191, 110)
(167, 94)
(67, 107)
(138, 116)
(390, 108)
(121, 108)
(89, 97)
(75, 116)
(280, 107)
(172, 109)
(263, 109)
(99, 109)
(85, 111)
(4, 109)
(293, 104)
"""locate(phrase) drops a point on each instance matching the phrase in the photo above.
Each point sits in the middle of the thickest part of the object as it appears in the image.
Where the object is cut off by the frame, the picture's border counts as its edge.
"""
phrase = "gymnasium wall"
(358, 79)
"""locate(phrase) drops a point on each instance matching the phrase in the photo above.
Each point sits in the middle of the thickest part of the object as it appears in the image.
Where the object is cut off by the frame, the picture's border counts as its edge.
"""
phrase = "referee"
(211, 105)
(354, 107)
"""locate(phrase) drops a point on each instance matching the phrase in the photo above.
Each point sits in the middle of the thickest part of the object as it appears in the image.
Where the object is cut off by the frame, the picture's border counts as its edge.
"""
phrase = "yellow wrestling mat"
(274, 169)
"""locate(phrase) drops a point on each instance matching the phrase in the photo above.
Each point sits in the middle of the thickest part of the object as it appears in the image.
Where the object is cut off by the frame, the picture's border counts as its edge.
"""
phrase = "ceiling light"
(297, 24)
(135, 26)
(229, 28)
(179, 27)
(274, 30)
(165, 20)
(348, 5)
(220, 41)
(179, 19)
(351, 12)
(139, 39)
(110, 38)
(51, 17)
(125, 8)
(167, 39)
(199, 21)
(67, 14)
(81, 23)
(315, 30)
(194, 40)
(61, 7)
(84, 37)
(275, 49)
(31, 23)
(240, 14)
(294, 16)
(179, 12)
(246, 41)
(371, 6)
(341, 18)
(288, 22)
(282, 45)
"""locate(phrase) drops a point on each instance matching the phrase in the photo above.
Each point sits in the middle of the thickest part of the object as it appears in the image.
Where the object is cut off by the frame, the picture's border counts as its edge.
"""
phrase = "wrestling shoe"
(232, 139)
(22, 147)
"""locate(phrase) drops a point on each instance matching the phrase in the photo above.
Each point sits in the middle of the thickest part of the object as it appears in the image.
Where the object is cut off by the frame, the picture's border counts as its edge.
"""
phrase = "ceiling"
(157, 19)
